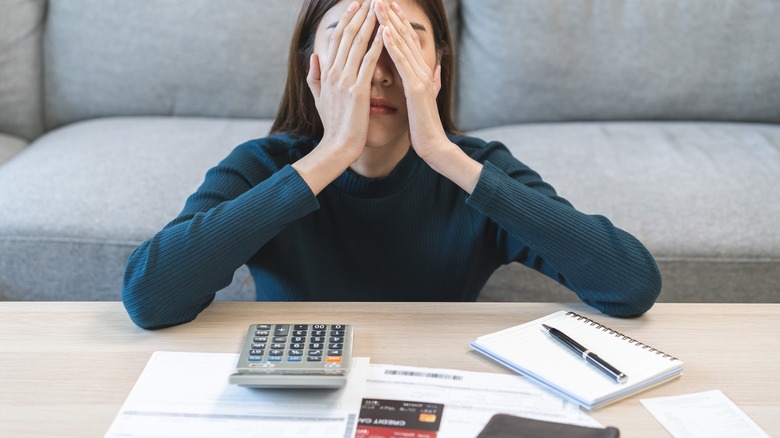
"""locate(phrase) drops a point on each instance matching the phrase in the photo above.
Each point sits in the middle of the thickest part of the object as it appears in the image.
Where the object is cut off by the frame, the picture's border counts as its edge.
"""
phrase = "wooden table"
(67, 367)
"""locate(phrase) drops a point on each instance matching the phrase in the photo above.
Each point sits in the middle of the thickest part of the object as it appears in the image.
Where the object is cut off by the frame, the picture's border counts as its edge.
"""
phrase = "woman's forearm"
(171, 277)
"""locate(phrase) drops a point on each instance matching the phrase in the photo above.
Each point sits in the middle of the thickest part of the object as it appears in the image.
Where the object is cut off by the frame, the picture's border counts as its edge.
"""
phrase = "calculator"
(295, 356)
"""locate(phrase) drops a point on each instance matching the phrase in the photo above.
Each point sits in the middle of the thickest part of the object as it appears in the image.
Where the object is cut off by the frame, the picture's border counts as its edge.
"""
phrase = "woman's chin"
(372, 143)
(382, 139)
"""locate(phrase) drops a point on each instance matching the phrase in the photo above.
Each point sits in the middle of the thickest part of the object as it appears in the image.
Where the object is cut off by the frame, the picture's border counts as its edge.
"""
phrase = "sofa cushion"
(80, 199)
(703, 197)
(562, 60)
(10, 146)
(21, 77)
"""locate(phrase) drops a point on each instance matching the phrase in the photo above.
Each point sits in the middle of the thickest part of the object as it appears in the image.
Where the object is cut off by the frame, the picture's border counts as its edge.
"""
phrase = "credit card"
(396, 419)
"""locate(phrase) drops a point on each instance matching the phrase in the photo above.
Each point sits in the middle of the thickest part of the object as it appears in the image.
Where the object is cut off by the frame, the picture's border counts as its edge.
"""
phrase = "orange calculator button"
(333, 359)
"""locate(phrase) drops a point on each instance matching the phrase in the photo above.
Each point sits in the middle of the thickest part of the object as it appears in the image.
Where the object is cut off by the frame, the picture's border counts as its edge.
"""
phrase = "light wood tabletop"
(67, 367)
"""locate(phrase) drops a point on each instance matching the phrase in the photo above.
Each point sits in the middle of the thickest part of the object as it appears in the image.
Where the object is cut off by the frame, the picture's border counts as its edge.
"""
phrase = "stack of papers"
(188, 395)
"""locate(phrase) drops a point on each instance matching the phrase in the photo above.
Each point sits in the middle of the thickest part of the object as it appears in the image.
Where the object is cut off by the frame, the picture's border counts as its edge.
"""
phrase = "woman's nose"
(383, 72)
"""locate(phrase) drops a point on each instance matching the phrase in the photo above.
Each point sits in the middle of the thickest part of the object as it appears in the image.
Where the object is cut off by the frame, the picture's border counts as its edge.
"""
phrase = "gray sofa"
(662, 115)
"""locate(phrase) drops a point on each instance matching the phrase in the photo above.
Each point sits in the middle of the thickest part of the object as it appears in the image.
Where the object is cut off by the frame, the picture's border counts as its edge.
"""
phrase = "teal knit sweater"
(411, 236)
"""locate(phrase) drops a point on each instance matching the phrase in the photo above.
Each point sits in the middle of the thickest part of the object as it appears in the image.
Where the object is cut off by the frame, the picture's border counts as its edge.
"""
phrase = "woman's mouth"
(381, 107)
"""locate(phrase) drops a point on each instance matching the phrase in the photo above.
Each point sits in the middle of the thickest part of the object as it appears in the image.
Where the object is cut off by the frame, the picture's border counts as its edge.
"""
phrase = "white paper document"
(470, 399)
(188, 395)
(704, 414)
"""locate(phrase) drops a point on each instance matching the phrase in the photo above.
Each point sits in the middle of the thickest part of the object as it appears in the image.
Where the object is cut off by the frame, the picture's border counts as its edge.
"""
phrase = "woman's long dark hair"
(297, 114)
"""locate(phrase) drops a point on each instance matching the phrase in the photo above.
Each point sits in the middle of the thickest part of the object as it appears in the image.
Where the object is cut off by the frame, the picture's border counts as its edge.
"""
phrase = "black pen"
(586, 354)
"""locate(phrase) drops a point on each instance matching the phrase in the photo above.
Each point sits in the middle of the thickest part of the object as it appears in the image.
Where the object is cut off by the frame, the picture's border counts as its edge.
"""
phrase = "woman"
(365, 192)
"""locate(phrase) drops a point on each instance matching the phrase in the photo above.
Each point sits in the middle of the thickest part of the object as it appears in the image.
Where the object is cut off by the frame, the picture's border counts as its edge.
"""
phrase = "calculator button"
(315, 353)
(301, 327)
(260, 339)
(276, 353)
(294, 358)
(279, 346)
(320, 326)
(336, 346)
(317, 339)
(333, 359)
(256, 352)
(279, 339)
(337, 332)
(298, 346)
(316, 346)
(258, 346)
(314, 359)
(255, 358)
(295, 352)
(262, 332)
(336, 339)
(319, 332)
(334, 352)
(274, 358)
(264, 326)
(299, 332)
(298, 339)
(337, 327)
(281, 329)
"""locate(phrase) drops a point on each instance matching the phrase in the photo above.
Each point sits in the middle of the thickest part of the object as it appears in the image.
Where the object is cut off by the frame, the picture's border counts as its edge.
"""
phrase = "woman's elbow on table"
(149, 313)
(152, 304)
(632, 299)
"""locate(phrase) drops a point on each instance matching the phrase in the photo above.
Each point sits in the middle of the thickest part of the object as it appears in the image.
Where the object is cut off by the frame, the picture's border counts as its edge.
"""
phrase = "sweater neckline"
(358, 185)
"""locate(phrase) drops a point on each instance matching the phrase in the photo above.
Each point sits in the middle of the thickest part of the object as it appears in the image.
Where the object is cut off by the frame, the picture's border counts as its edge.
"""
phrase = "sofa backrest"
(173, 57)
(222, 58)
(519, 61)
(21, 30)
(565, 60)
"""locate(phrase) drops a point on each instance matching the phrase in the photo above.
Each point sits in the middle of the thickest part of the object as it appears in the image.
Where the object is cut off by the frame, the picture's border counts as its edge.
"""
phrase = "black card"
(510, 426)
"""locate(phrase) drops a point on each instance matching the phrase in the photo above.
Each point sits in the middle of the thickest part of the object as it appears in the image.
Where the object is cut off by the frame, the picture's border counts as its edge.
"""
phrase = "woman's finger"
(437, 79)
(348, 35)
(401, 61)
(313, 77)
(372, 57)
(362, 40)
(335, 36)
(403, 53)
(407, 32)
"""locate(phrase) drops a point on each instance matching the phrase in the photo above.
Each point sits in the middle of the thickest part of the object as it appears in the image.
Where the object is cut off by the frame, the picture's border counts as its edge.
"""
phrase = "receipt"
(705, 414)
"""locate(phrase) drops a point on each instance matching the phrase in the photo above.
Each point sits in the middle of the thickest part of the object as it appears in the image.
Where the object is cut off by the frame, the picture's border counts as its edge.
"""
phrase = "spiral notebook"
(529, 350)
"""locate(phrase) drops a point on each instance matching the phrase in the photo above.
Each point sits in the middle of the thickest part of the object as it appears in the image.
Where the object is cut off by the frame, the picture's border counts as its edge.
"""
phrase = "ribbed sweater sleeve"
(174, 275)
(605, 266)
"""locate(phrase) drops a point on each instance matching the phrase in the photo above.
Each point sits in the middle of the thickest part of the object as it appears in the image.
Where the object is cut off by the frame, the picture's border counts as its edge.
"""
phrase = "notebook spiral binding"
(620, 335)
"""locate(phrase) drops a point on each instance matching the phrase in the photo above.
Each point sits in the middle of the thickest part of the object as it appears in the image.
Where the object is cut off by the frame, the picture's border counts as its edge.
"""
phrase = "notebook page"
(530, 348)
